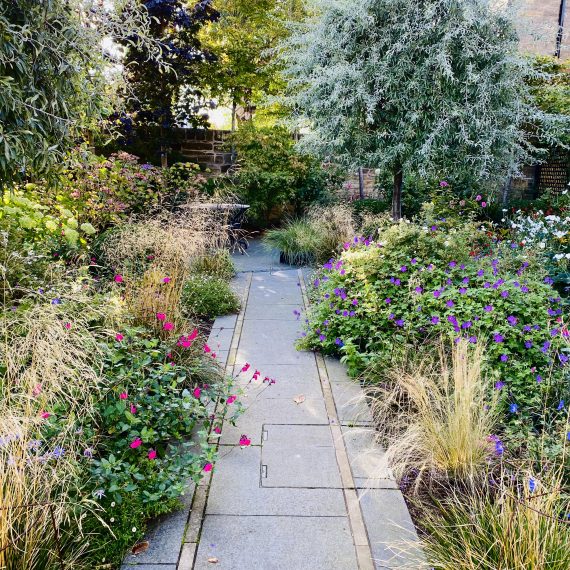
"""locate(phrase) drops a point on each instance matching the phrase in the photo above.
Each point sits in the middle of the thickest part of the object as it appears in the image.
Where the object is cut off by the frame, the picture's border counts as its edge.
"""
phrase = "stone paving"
(313, 491)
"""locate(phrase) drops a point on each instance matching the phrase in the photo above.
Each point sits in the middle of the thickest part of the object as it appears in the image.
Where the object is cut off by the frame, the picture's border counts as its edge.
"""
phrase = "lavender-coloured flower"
(498, 337)
(512, 320)
(504, 358)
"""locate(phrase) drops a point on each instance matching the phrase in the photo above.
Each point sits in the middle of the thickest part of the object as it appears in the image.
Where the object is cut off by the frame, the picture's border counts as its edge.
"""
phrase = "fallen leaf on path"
(299, 399)
(140, 547)
(213, 560)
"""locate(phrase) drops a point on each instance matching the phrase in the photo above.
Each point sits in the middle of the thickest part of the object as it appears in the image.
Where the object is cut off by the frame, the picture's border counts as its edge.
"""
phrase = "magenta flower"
(443, 184)
(231, 399)
(166, 280)
(244, 441)
(118, 278)
(245, 367)
(478, 197)
(207, 349)
(168, 326)
(67, 326)
(119, 337)
(152, 454)
(161, 316)
(133, 409)
(136, 443)
(197, 392)
(123, 395)
(207, 468)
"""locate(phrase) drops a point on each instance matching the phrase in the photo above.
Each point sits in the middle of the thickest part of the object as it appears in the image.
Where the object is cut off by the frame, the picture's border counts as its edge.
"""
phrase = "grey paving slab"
(227, 322)
(265, 342)
(393, 538)
(299, 456)
(367, 458)
(258, 258)
(282, 312)
(222, 357)
(291, 380)
(220, 339)
(350, 402)
(336, 370)
(164, 535)
(273, 411)
(236, 490)
(148, 567)
(276, 543)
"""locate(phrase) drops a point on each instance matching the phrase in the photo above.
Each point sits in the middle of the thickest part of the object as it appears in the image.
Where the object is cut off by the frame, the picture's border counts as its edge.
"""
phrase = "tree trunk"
(233, 148)
(360, 183)
(397, 194)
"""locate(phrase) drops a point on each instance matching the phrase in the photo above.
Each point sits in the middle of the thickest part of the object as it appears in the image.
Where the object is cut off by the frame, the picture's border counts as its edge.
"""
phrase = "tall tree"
(155, 85)
(434, 86)
(52, 84)
(243, 71)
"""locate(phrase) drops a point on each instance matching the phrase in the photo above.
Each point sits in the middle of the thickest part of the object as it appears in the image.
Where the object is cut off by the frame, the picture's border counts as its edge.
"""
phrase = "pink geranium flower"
(118, 278)
(133, 409)
(151, 454)
(123, 395)
(168, 326)
(207, 467)
(67, 326)
(245, 367)
(136, 443)
(161, 316)
(36, 390)
(166, 280)
(217, 429)
(193, 334)
(45, 415)
(244, 441)
(207, 348)
(232, 399)
(197, 392)
(119, 337)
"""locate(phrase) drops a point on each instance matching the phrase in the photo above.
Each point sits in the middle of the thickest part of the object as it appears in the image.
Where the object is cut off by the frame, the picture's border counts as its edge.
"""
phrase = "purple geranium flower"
(498, 337)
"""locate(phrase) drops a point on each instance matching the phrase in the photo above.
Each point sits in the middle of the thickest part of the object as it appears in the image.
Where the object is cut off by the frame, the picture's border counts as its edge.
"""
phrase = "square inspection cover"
(301, 456)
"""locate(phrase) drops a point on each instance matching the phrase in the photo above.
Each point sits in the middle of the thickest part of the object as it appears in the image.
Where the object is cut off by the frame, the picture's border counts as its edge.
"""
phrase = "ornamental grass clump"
(49, 383)
(435, 414)
(314, 238)
(513, 521)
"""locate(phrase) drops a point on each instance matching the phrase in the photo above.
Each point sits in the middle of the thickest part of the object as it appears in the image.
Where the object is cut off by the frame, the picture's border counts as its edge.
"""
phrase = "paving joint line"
(202, 491)
(360, 536)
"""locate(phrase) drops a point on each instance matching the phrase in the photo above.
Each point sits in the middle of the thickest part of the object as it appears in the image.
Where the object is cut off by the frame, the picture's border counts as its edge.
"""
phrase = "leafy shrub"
(417, 283)
(152, 427)
(546, 228)
(208, 297)
(217, 264)
(273, 178)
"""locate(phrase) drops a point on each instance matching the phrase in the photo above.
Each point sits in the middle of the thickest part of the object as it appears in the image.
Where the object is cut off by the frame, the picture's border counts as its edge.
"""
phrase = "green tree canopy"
(435, 86)
(243, 71)
(52, 84)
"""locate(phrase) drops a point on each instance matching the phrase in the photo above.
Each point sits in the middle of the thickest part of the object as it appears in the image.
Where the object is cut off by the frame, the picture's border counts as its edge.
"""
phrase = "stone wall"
(206, 147)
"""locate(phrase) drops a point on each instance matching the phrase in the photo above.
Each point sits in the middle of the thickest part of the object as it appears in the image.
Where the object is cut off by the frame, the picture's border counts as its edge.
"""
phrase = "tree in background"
(52, 84)
(243, 71)
(435, 86)
(154, 85)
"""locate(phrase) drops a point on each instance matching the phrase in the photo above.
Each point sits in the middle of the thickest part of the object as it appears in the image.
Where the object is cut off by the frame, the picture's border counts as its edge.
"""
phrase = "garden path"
(311, 491)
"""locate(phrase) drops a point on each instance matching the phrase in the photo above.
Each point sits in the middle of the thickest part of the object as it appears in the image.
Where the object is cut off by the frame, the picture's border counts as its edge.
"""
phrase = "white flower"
(134, 529)
(113, 504)
(542, 245)
(112, 519)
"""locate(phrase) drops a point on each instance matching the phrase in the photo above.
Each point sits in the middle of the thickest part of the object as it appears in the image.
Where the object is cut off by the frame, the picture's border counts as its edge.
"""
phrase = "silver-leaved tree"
(437, 87)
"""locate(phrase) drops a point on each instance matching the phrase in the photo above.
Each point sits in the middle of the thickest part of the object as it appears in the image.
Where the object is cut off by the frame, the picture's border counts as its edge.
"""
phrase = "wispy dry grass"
(51, 366)
(434, 415)
(514, 521)
(155, 257)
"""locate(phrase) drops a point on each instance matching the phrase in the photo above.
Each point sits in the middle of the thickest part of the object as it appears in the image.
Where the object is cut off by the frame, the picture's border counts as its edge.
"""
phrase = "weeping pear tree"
(436, 87)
